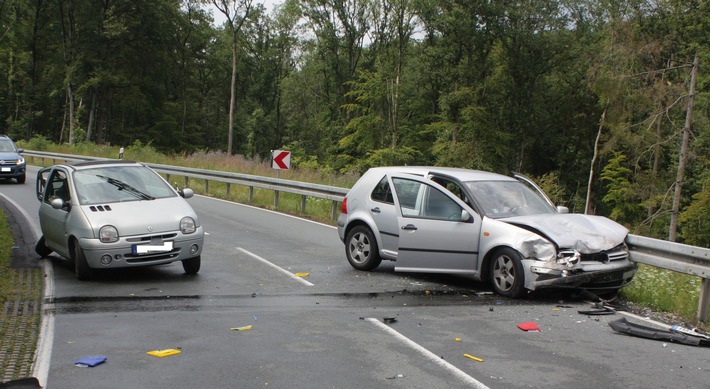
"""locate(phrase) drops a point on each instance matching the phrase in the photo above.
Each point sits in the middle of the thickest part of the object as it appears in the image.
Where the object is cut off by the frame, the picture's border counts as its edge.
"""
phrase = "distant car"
(110, 214)
(480, 224)
(12, 163)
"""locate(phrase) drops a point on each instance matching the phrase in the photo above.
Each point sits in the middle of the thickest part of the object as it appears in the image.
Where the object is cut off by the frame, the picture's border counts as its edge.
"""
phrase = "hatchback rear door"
(438, 232)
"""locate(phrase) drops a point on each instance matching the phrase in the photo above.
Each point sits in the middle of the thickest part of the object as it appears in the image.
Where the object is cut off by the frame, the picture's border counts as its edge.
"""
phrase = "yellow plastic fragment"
(457, 339)
(472, 357)
(163, 353)
(302, 274)
(245, 328)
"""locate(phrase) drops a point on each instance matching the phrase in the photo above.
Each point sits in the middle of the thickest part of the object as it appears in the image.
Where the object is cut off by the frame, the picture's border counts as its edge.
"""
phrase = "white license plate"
(139, 249)
(6, 169)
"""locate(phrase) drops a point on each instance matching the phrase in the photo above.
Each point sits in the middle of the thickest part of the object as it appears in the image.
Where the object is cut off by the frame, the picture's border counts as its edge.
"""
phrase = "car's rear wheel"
(192, 265)
(41, 248)
(81, 267)
(361, 249)
(507, 274)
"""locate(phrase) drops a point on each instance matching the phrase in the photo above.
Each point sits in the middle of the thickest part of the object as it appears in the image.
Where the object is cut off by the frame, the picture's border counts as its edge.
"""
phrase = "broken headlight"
(568, 258)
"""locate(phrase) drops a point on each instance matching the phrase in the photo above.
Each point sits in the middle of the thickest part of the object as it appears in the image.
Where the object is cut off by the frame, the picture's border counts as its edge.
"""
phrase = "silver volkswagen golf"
(480, 224)
(113, 213)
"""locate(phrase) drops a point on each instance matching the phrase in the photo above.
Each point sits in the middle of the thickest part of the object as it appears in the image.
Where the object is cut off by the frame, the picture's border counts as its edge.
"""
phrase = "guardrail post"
(187, 182)
(334, 210)
(704, 300)
(251, 194)
(276, 199)
(229, 187)
(207, 186)
(303, 204)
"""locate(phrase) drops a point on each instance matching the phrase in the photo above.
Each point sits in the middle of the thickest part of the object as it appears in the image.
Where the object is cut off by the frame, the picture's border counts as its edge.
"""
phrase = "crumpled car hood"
(585, 233)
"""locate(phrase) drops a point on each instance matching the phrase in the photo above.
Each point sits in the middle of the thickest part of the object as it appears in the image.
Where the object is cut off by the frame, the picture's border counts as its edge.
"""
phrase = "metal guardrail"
(332, 193)
(677, 257)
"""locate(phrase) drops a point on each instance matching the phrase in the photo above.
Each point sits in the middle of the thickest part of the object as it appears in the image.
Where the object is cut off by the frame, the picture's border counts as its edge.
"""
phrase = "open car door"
(438, 232)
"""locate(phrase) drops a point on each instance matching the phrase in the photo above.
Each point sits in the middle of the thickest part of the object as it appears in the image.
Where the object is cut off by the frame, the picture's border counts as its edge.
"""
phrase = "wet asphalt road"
(326, 330)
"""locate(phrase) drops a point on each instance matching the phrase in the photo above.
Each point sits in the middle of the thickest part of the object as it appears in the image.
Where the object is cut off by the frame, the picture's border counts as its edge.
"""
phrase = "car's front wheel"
(192, 265)
(21, 179)
(41, 248)
(361, 249)
(507, 274)
(81, 266)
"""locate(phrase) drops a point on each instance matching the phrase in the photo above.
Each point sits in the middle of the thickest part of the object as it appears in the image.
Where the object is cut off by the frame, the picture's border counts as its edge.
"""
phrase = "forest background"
(589, 97)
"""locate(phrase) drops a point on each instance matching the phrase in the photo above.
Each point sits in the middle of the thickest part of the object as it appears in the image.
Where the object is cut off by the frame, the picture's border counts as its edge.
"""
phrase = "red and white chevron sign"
(280, 159)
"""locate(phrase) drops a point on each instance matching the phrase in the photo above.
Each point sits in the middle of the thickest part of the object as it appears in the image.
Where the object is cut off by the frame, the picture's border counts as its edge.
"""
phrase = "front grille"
(619, 253)
(148, 238)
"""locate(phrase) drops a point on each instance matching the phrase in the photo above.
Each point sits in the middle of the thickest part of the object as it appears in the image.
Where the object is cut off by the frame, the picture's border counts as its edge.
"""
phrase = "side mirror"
(186, 193)
(20, 150)
(562, 209)
(57, 203)
(466, 217)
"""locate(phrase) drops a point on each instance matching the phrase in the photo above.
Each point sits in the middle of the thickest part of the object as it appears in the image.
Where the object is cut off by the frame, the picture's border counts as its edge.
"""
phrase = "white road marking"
(429, 355)
(282, 270)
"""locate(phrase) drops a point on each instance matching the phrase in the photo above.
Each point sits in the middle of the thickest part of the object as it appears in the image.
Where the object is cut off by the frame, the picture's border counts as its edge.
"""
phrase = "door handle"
(375, 210)
(410, 227)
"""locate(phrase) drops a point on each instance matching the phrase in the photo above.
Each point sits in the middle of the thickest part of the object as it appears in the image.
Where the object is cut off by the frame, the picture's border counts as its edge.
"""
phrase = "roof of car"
(458, 173)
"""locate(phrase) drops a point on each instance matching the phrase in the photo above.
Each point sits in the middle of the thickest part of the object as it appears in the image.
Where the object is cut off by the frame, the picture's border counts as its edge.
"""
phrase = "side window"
(425, 201)
(57, 187)
(453, 188)
(382, 192)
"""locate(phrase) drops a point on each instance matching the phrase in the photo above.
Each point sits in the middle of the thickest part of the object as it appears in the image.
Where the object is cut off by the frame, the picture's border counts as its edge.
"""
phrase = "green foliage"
(665, 290)
(694, 220)
(623, 201)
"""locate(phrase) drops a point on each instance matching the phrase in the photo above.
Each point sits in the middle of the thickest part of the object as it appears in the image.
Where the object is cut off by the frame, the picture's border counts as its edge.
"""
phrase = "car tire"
(192, 265)
(21, 179)
(82, 269)
(361, 249)
(507, 274)
(41, 248)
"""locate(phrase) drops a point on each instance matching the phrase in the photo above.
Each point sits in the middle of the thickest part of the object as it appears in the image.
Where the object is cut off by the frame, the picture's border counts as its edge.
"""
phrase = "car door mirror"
(57, 203)
(562, 209)
(466, 217)
(186, 193)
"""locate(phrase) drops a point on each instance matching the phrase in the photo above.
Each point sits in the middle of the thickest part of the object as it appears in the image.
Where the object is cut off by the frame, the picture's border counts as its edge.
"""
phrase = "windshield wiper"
(129, 189)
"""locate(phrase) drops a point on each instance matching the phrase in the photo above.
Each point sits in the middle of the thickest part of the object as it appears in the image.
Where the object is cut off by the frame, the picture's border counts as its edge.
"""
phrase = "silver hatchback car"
(480, 224)
(113, 213)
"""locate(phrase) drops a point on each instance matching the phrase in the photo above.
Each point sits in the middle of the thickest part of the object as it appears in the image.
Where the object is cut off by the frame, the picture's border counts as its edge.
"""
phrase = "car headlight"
(187, 225)
(569, 258)
(108, 234)
(20, 161)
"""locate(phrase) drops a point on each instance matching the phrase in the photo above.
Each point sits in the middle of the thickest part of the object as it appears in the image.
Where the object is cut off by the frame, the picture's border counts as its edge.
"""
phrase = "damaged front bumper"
(608, 279)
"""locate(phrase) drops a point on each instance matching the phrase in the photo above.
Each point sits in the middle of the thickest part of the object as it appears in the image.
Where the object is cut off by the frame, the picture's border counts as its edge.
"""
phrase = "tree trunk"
(588, 205)
(682, 158)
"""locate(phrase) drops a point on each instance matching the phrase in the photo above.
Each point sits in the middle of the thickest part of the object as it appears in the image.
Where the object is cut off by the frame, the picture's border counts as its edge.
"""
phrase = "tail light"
(344, 206)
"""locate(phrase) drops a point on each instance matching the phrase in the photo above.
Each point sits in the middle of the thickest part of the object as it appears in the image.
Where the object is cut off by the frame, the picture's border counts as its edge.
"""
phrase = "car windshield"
(119, 183)
(7, 146)
(500, 199)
